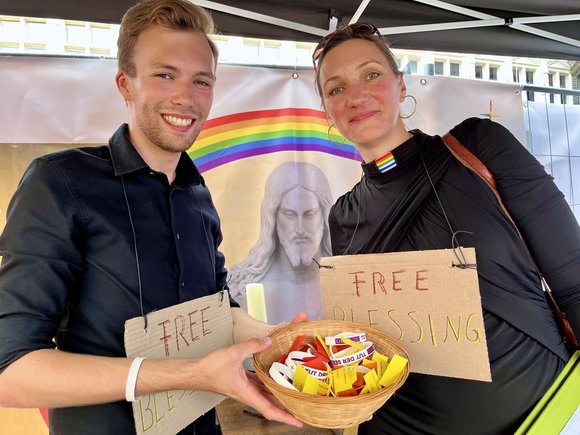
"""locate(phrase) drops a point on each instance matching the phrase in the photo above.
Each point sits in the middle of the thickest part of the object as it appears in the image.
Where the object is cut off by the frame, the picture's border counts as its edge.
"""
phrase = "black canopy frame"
(521, 28)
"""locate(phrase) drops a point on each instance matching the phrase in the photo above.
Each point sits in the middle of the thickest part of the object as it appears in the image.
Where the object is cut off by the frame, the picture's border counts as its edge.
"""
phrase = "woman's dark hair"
(364, 31)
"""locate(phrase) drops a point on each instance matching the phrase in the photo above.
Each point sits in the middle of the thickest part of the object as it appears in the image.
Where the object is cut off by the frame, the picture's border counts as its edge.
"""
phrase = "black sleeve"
(41, 258)
(537, 206)
(221, 273)
(337, 235)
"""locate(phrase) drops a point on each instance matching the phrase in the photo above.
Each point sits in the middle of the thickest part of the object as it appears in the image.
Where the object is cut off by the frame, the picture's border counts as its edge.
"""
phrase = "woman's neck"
(371, 152)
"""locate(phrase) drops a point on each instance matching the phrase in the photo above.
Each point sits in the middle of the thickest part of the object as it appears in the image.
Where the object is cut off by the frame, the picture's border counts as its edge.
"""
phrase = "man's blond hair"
(173, 14)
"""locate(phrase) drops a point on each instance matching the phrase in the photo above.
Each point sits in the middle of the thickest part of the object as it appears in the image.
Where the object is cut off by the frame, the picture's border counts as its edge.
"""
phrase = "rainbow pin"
(386, 162)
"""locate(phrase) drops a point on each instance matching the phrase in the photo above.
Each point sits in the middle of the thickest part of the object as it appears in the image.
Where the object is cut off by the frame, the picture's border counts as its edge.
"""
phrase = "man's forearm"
(52, 379)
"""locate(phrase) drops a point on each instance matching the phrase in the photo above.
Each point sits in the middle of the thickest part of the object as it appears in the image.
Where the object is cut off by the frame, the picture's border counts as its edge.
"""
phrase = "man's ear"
(124, 82)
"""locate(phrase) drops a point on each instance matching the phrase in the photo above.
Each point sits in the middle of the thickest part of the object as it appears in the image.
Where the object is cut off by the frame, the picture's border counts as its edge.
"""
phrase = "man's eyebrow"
(166, 66)
(207, 74)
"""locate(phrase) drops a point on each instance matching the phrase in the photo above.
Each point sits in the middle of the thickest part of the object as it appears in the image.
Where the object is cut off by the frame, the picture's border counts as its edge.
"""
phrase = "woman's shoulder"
(477, 128)
(348, 199)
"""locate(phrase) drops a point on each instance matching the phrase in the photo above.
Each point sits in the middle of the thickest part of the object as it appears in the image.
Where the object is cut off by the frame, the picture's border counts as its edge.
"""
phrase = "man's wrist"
(132, 380)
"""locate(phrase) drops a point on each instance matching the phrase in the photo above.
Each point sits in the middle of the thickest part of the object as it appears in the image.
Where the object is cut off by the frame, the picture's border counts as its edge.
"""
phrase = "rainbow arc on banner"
(246, 134)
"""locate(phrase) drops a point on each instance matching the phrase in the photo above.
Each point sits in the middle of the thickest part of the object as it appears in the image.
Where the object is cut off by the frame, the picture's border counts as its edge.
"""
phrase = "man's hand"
(223, 371)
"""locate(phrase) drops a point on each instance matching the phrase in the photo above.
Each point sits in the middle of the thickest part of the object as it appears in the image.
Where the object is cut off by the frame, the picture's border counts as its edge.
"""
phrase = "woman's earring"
(330, 127)
(414, 100)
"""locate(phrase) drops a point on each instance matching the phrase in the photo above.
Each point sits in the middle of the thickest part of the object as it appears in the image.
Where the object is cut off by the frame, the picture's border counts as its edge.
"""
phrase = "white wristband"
(132, 380)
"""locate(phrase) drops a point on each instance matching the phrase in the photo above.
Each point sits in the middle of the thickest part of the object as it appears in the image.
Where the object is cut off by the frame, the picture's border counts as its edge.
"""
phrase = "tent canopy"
(523, 28)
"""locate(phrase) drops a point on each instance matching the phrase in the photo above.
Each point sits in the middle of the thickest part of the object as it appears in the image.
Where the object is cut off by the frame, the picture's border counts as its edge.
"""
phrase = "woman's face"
(362, 94)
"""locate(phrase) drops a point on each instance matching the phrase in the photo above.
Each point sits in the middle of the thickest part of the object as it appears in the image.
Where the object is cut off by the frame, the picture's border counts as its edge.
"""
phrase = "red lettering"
(357, 281)
(165, 337)
(191, 323)
(379, 279)
(180, 332)
(397, 281)
(419, 278)
(205, 331)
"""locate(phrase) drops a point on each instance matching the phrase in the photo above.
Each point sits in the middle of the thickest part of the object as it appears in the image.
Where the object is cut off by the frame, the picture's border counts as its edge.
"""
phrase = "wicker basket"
(327, 411)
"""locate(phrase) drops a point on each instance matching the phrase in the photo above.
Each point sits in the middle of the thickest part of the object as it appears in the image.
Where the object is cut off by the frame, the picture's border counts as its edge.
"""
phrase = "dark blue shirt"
(70, 258)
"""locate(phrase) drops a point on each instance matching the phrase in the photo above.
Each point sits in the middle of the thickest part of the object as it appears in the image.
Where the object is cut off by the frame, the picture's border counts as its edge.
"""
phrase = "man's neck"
(156, 158)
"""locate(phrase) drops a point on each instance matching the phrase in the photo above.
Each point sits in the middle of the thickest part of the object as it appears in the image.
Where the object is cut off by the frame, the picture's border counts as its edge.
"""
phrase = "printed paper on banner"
(421, 299)
(188, 330)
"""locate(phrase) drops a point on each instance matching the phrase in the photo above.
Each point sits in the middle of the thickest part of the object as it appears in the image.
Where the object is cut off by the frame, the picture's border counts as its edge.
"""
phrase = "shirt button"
(182, 284)
(178, 236)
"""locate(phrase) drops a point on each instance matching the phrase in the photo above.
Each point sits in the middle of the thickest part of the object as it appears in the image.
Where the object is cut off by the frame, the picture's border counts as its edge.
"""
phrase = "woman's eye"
(373, 75)
(335, 91)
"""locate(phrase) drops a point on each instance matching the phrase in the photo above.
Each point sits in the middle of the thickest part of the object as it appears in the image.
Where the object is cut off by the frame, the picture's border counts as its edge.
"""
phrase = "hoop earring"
(330, 127)
(414, 107)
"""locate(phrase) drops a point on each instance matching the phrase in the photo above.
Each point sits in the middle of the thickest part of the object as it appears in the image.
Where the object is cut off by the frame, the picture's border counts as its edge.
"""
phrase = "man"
(100, 235)
(294, 233)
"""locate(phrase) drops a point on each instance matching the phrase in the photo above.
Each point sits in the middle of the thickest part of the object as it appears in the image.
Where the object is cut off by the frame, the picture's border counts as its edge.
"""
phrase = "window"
(411, 67)
(76, 33)
(251, 49)
(36, 29)
(429, 69)
(103, 52)
(478, 71)
(221, 43)
(493, 72)
(563, 97)
(101, 35)
(516, 75)
(304, 53)
(270, 52)
(74, 49)
(9, 47)
(530, 81)
(35, 47)
(576, 85)
(10, 29)
(551, 83)
(438, 68)
(562, 81)
(454, 69)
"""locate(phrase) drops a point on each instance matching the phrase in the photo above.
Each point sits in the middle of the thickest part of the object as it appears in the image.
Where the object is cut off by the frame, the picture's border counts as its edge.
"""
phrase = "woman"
(422, 198)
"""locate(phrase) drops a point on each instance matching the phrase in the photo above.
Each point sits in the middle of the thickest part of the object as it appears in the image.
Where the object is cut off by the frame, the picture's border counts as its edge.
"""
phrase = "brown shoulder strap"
(472, 162)
(469, 159)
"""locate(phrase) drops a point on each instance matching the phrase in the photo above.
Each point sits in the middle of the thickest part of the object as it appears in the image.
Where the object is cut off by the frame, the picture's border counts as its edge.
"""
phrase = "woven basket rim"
(263, 372)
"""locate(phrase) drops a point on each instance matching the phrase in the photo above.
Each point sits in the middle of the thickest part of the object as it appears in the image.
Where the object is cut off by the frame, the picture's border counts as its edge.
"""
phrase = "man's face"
(172, 91)
(299, 225)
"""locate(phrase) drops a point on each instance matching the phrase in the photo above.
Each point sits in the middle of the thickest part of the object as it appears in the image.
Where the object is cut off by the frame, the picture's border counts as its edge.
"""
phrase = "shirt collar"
(126, 159)
(399, 157)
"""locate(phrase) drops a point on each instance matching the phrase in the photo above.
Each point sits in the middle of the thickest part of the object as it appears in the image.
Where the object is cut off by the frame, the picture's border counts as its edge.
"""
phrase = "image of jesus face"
(299, 225)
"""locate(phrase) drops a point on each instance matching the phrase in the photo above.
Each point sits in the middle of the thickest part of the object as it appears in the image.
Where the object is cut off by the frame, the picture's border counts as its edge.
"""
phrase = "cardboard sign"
(188, 330)
(421, 299)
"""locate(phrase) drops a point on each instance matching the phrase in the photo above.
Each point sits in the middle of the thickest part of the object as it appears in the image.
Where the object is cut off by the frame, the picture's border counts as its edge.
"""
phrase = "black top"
(398, 211)
(69, 268)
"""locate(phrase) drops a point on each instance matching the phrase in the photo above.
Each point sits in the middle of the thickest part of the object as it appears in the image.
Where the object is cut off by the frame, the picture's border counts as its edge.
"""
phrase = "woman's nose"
(356, 95)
